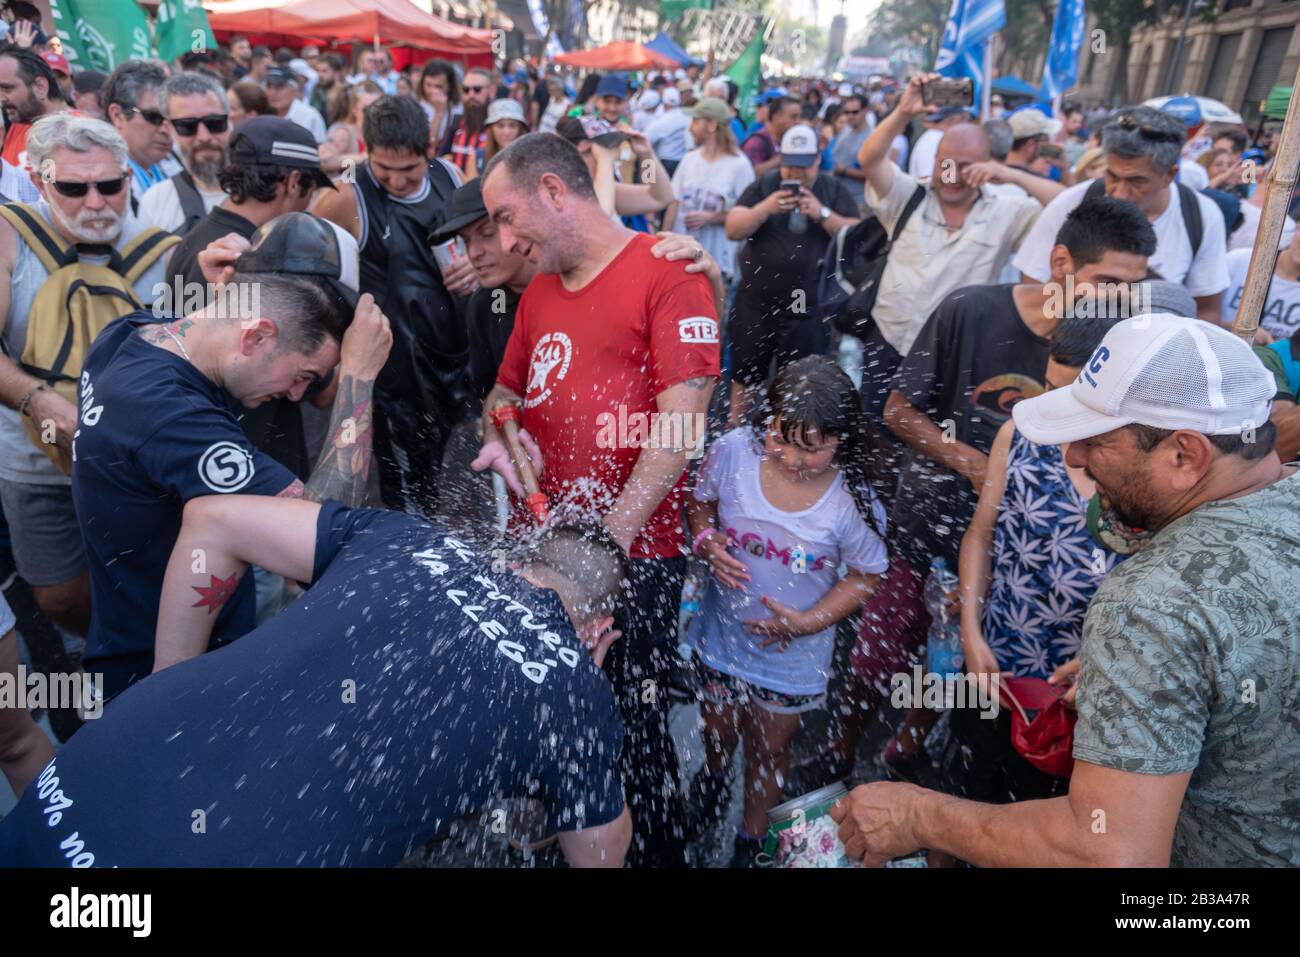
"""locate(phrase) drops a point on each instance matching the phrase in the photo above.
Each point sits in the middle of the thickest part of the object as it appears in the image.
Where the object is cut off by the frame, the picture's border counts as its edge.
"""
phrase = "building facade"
(1250, 47)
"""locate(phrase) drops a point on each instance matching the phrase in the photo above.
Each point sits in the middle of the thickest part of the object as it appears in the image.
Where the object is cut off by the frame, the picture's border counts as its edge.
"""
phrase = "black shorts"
(767, 329)
(981, 764)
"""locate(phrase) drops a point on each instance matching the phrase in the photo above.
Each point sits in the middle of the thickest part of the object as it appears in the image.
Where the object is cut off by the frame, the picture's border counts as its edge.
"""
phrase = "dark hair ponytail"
(814, 394)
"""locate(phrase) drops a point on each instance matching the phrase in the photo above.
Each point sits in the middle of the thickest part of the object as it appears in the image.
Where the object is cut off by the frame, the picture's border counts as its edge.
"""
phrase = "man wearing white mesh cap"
(1186, 748)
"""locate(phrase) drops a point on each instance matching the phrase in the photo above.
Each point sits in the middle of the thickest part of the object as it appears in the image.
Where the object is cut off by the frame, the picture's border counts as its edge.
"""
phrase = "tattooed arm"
(229, 532)
(344, 466)
(682, 413)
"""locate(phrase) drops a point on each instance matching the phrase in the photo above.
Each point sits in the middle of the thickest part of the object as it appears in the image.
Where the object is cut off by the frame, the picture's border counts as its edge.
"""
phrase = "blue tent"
(664, 44)
(1011, 85)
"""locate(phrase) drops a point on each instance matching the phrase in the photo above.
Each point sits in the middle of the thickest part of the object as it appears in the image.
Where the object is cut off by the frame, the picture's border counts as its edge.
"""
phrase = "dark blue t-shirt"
(405, 689)
(153, 433)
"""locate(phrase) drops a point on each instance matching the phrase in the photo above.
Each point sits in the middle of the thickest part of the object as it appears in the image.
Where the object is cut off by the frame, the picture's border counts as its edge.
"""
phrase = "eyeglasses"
(189, 125)
(475, 89)
(1130, 123)
(108, 187)
(149, 116)
(850, 112)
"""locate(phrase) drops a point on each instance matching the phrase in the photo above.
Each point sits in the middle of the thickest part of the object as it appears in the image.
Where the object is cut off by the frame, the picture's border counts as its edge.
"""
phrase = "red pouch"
(1042, 727)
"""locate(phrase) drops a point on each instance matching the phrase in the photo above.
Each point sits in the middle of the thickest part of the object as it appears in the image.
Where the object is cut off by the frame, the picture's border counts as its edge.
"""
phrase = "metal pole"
(1178, 50)
(1277, 198)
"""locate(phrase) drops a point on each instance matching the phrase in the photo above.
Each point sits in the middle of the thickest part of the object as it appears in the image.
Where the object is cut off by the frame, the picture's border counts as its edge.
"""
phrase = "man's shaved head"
(964, 144)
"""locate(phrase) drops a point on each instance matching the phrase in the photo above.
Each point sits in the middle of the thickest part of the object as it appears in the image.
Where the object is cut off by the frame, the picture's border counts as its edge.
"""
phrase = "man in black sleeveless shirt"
(391, 203)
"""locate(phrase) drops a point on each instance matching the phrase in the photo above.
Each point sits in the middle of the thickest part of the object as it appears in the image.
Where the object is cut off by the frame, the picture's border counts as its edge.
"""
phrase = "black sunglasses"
(109, 187)
(189, 125)
(149, 116)
(1129, 123)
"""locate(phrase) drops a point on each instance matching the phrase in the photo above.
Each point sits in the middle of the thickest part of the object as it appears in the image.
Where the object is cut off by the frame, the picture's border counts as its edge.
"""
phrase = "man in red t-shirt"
(613, 357)
(29, 90)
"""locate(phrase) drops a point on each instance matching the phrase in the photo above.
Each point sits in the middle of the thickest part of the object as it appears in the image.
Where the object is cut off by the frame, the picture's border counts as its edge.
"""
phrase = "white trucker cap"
(1162, 371)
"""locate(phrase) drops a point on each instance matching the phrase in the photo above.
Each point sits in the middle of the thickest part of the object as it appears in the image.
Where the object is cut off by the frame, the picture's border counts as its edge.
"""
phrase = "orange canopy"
(392, 21)
(619, 55)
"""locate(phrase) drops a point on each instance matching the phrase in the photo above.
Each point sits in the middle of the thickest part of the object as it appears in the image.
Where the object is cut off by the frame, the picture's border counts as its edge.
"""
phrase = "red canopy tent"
(294, 23)
(619, 55)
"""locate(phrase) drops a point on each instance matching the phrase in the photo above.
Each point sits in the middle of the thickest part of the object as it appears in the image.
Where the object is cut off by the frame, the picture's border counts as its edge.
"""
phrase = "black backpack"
(1192, 221)
(850, 274)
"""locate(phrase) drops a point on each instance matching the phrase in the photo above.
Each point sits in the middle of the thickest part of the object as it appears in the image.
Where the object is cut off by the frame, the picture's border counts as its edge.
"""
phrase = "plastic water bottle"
(943, 651)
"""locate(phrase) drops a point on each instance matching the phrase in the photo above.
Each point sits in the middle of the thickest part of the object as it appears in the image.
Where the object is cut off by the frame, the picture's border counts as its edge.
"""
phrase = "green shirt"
(1191, 662)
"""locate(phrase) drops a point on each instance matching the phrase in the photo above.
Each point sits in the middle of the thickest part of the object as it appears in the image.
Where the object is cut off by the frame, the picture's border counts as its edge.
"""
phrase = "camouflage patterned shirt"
(1191, 662)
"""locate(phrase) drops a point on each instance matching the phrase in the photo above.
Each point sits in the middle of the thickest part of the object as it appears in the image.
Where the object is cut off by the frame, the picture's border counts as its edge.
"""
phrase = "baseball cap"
(1185, 108)
(505, 110)
(466, 209)
(1026, 123)
(274, 141)
(279, 75)
(672, 97)
(1158, 370)
(612, 84)
(575, 129)
(799, 146)
(305, 245)
(845, 89)
(712, 108)
(57, 62)
(302, 68)
(648, 100)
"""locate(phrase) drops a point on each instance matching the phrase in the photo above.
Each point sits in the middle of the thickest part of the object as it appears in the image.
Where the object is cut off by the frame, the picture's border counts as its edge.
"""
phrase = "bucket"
(801, 833)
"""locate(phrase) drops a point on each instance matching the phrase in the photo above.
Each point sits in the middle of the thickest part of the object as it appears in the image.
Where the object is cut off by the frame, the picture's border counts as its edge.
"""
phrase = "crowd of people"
(263, 310)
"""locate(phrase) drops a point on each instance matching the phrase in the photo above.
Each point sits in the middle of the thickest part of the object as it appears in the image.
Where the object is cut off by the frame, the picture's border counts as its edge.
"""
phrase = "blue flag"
(1061, 71)
(970, 24)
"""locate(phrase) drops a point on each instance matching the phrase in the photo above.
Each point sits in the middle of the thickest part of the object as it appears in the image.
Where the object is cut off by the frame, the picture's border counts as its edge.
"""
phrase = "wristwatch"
(825, 214)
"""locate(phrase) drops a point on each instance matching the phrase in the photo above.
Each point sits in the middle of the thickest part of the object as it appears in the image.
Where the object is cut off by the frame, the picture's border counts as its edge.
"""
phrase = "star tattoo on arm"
(216, 594)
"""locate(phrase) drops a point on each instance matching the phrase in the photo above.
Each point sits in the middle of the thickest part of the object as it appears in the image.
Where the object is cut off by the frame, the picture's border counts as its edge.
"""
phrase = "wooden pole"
(1278, 187)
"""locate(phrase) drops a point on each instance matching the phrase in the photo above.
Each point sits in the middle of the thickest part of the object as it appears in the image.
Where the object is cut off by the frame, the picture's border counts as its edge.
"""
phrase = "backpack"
(850, 273)
(1192, 221)
(74, 304)
(191, 202)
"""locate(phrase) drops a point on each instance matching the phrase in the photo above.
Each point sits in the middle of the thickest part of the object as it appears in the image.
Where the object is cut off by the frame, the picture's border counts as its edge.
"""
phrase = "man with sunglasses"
(1142, 147)
(844, 151)
(29, 90)
(198, 114)
(468, 132)
(282, 86)
(85, 203)
(133, 104)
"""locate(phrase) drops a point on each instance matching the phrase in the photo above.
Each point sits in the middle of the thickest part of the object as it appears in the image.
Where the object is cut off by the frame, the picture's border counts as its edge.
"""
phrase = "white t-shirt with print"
(769, 539)
(1206, 276)
(701, 186)
(1281, 315)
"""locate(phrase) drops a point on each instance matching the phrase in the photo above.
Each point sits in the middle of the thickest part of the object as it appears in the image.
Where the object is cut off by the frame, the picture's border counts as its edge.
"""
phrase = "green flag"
(182, 27)
(101, 34)
(672, 9)
(747, 74)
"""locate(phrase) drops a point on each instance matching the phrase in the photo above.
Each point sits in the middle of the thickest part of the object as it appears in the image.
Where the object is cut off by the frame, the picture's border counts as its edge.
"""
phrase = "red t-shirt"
(640, 327)
(15, 144)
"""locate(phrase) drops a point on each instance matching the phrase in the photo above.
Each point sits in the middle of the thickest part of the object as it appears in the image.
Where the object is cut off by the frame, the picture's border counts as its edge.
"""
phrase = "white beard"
(84, 233)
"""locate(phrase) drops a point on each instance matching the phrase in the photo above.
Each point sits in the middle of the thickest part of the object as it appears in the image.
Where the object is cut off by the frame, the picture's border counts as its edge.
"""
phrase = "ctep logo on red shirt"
(640, 327)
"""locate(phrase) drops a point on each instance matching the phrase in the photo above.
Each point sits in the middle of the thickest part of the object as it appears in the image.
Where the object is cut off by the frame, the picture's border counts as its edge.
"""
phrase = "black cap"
(274, 141)
(305, 245)
(280, 74)
(466, 209)
(575, 129)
